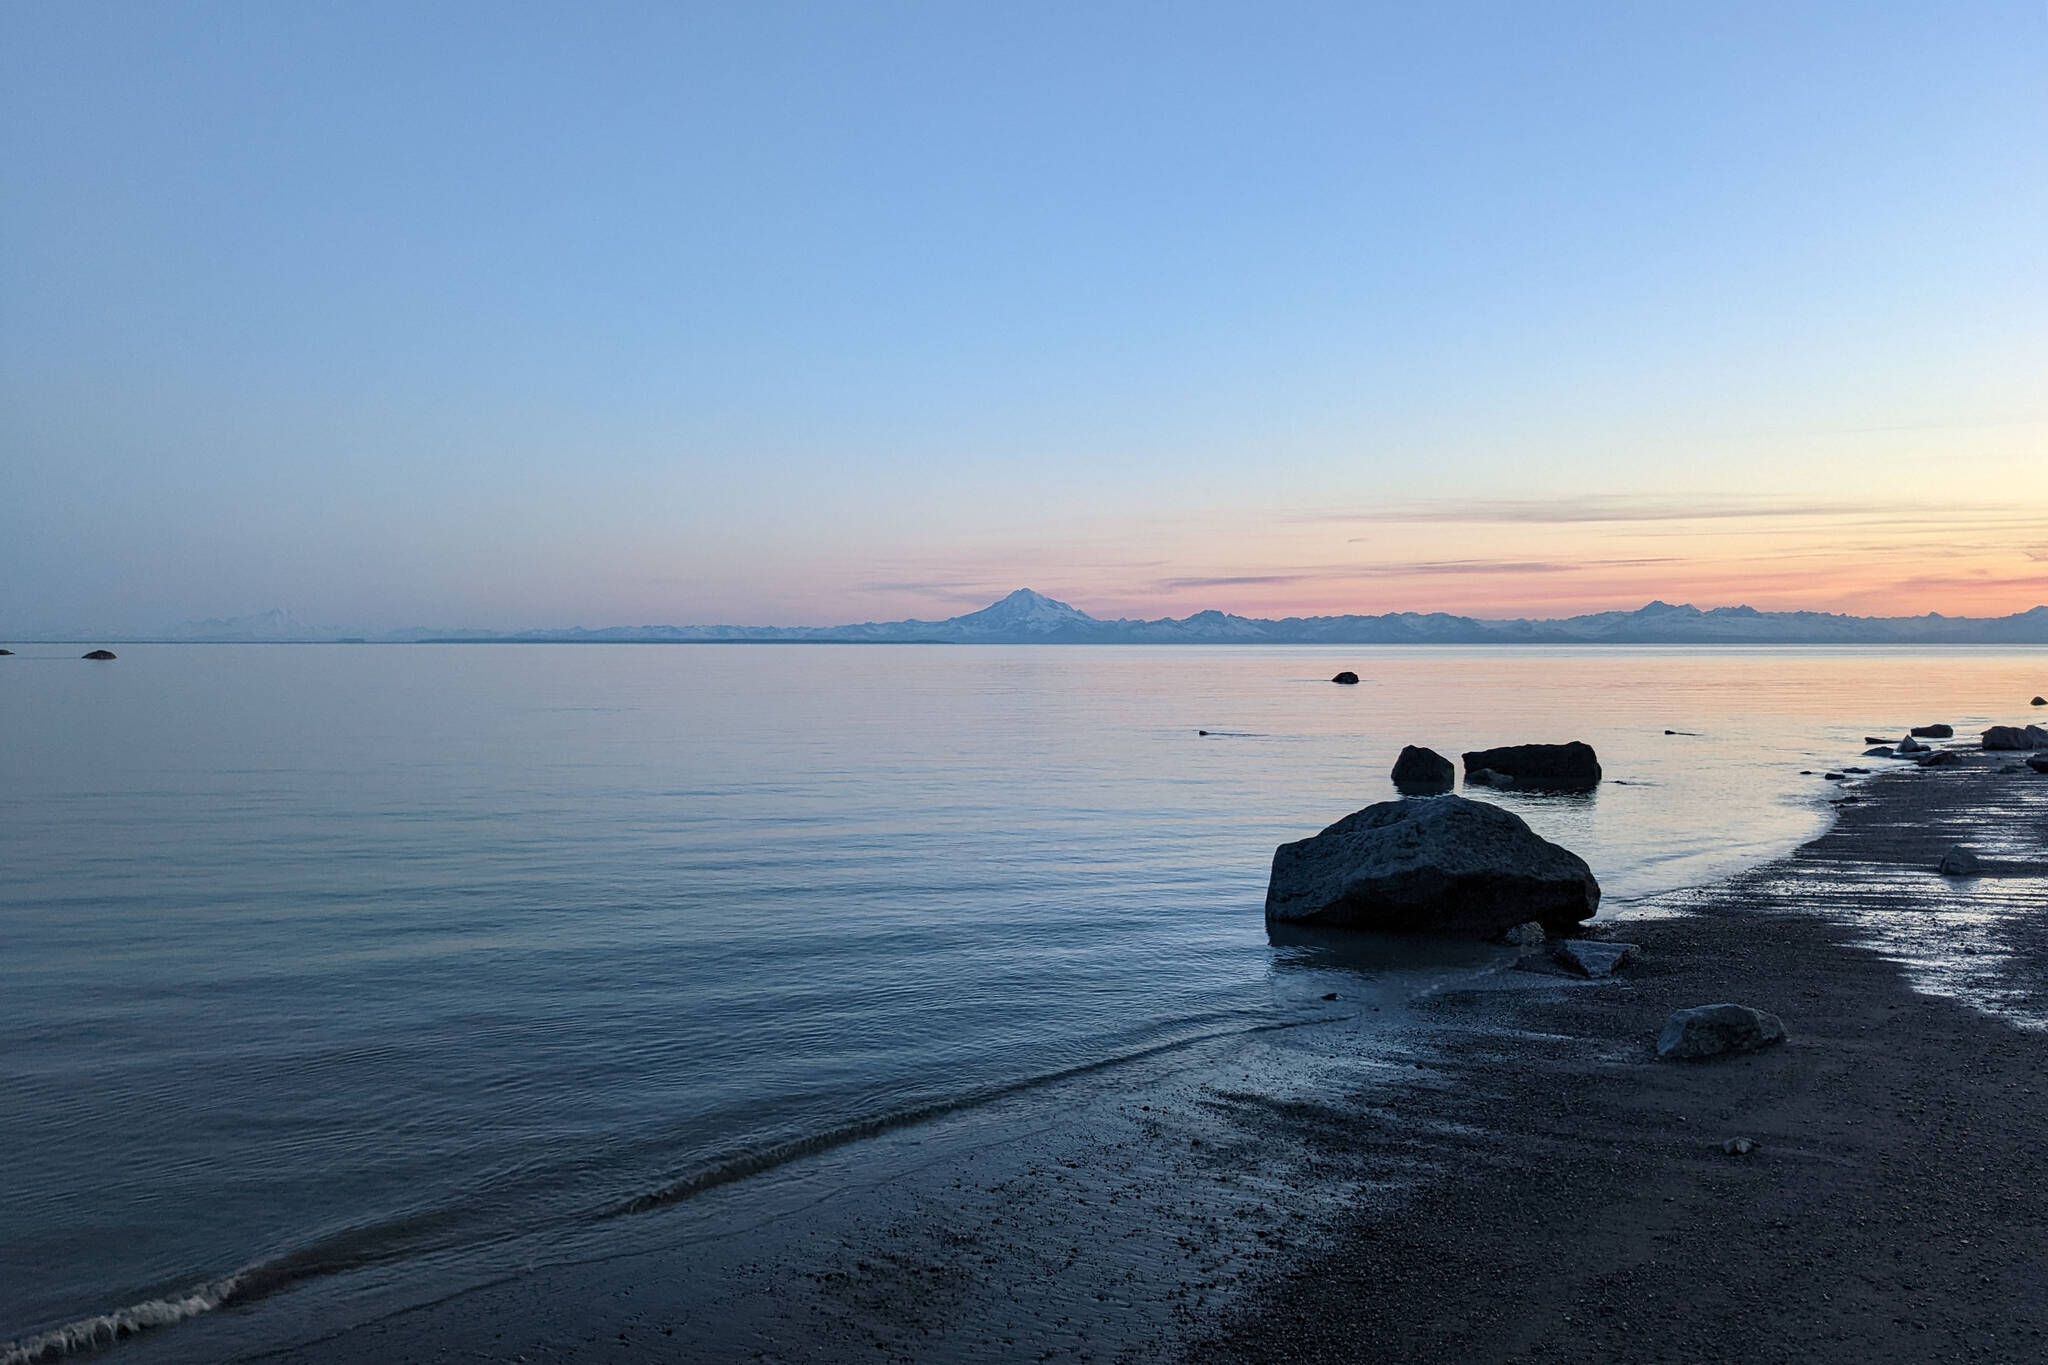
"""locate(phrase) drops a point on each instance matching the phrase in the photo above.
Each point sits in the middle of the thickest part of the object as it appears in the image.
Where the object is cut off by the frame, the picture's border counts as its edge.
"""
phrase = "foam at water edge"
(107, 1329)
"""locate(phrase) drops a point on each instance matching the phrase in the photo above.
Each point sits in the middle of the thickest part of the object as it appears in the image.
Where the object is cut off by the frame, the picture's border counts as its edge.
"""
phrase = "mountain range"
(1027, 617)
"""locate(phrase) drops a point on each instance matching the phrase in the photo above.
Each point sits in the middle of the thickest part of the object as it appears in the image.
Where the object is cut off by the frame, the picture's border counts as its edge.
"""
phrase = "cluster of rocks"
(2015, 737)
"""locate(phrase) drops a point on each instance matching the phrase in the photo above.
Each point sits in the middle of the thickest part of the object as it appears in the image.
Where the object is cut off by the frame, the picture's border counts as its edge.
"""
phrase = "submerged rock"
(1960, 862)
(1910, 745)
(2039, 765)
(1947, 758)
(1424, 770)
(1569, 767)
(1934, 731)
(1487, 777)
(1347, 677)
(1881, 751)
(1592, 957)
(98, 654)
(1875, 739)
(2009, 737)
(1442, 865)
(1712, 1030)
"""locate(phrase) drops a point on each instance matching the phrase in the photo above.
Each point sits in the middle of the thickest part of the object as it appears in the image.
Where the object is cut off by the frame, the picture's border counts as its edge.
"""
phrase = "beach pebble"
(1524, 935)
(1960, 862)
(1711, 1030)
(1738, 1146)
(1591, 957)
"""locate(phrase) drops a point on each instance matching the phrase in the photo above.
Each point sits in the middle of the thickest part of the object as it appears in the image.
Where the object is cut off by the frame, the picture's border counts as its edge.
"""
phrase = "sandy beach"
(1493, 1167)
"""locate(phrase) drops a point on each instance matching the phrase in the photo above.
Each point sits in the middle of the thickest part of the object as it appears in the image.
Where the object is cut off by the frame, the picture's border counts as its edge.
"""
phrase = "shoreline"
(1891, 1209)
(1231, 1201)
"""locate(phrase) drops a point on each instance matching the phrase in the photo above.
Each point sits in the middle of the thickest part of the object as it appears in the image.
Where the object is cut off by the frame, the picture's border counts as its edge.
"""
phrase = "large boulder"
(1441, 865)
(1711, 1030)
(1569, 767)
(1423, 770)
(2009, 737)
(1934, 731)
(2038, 735)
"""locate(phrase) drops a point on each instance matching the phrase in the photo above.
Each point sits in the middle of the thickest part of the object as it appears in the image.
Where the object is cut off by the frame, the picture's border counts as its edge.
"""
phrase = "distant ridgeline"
(1026, 617)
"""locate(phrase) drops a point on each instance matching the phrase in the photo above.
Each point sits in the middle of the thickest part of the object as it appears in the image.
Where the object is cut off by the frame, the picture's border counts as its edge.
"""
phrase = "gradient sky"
(509, 314)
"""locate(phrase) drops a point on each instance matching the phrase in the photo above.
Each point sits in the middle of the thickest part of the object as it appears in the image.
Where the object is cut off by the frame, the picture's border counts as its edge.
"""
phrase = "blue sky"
(505, 314)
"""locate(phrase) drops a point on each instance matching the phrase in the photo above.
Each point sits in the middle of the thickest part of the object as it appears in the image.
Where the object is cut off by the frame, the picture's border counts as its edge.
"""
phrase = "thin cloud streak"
(1576, 511)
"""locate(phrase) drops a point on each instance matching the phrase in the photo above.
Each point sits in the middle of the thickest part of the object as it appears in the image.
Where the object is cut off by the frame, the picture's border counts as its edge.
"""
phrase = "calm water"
(316, 958)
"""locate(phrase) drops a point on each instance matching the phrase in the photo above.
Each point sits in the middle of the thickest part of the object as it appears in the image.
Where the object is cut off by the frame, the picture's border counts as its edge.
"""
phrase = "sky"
(508, 315)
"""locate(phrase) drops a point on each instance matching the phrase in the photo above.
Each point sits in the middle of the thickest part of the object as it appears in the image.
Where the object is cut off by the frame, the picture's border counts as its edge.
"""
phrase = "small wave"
(107, 1329)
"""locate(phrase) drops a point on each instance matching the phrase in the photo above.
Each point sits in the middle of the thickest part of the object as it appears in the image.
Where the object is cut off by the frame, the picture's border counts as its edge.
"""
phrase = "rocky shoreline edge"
(1870, 1191)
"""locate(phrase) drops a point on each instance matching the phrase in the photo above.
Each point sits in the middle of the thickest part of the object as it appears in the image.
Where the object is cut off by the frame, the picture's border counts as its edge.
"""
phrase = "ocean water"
(321, 961)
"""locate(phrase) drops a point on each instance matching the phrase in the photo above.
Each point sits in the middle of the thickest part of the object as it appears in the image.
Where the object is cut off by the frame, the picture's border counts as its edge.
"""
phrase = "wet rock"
(2039, 765)
(6, 651)
(1347, 677)
(1833, 777)
(1859, 772)
(98, 654)
(2038, 735)
(1715, 1030)
(1934, 732)
(1960, 862)
(2008, 737)
(1525, 935)
(1738, 1146)
(1569, 767)
(1876, 739)
(1592, 957)
(2039, 701)
(1443, 865)
(1487, 777)
(1910, 745)
(1330, 995)
(1947, 758)
(1424, 770)
(1881, 751)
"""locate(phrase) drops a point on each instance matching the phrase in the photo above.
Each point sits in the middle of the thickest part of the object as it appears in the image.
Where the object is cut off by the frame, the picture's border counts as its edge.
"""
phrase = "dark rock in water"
(1424, 770)
(1860, 772)
(2039, 701)
(99, 654)
(6, 651)
(2039, 765)
(1881, 751)
(1330, 996)
(1960, 862)
(1487, 777)
(1591, 957)
(1711, 1030)
(1201, 732)
(1947, 758)
(1875, 739)
(1569, 767)
(1910, 745)
(1833, 777)
(1347, 677)
(1934, 731)
(2008, 737)
(1444, 865)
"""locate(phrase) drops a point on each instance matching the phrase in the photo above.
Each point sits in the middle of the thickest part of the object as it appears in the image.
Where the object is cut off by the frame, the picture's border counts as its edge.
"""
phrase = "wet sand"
(1498, 1170)
(1894, 1208)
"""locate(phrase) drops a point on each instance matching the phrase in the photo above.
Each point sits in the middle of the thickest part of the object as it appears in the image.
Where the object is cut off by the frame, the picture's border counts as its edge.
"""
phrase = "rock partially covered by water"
(1934, 731)
(2039, 701)
(1960, 862)
(98, 654)
(1569, 767)
(1945, 758)
(1347, 677)
(1714, 1030)
(1910, 745)
(1443, 865)
(1881, 751)
(2009, 737)
(2039, 765)
(1423, 770)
